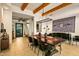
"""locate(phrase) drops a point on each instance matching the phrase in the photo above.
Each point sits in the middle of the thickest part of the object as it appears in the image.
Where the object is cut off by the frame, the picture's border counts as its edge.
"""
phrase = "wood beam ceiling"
(23, 6)
(56, 8)
(40, 7)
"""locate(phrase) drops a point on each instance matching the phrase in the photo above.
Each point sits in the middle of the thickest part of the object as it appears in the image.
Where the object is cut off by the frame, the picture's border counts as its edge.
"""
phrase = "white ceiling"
(31, 6)
(19, 16)
(52, 5)
(17, 4)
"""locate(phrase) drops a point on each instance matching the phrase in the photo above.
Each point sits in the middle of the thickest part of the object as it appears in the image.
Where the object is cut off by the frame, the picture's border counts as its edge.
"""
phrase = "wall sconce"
(44, 28)
(48, 29)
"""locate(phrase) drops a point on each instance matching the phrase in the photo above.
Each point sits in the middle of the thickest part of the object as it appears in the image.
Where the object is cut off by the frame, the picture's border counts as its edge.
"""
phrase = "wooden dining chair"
(30, 44)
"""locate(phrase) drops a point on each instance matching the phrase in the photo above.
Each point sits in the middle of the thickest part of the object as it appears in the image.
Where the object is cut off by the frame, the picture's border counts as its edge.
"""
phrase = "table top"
(50, 40)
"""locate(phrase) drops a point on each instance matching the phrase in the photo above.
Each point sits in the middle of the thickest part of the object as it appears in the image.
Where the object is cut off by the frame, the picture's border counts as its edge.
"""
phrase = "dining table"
(55, 41)
(49, 39)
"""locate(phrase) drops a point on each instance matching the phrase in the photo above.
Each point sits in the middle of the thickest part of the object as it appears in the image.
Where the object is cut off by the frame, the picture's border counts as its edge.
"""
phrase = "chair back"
(30, 39)
(35, 42)
(76, 38)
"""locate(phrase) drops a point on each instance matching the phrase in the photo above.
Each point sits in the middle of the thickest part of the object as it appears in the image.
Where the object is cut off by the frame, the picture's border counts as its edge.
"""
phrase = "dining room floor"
(19, 47)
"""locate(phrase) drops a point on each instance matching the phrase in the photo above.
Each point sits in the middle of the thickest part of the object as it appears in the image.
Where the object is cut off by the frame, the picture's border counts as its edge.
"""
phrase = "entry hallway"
(20, 48)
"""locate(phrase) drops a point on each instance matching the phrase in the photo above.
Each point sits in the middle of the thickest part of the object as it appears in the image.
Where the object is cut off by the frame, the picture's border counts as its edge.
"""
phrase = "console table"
(4, 43)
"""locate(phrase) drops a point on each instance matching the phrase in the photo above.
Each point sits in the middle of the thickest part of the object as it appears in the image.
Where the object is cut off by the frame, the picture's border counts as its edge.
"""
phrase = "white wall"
(26, 12)
(18, 10)
(25, 28)
(77, 25)
(7, 21)
(44, 28)
(0, 14)
(37, 17)
(72, 10)
(7, 18)
(0, 17)
(13, 23)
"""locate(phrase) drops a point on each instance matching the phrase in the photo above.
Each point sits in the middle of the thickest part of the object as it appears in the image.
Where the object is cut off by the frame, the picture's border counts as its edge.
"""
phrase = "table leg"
(60, 48)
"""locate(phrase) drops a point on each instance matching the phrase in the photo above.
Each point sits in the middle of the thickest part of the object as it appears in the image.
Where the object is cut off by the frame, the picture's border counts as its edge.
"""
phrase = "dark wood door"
(19, 29)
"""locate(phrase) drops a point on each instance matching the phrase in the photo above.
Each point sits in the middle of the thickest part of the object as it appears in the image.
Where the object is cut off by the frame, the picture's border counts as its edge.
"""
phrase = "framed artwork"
(64, 25)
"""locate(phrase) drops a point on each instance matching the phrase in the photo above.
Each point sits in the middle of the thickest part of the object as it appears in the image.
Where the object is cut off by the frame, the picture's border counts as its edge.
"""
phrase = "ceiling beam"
(23, 6)
(56, 8)
(40, 7)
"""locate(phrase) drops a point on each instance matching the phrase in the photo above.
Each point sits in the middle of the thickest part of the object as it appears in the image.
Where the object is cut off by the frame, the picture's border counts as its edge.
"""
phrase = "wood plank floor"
(20, 48)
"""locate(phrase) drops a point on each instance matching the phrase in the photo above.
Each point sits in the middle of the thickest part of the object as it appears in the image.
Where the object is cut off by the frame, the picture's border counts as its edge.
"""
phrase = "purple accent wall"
(64, 25)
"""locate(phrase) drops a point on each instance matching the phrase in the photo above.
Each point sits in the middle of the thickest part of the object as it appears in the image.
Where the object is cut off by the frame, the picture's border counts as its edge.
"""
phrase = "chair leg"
(32, 47)
(38, 52)
(35, 49)
(43, 53)
(60, 48)
(76, 43)
(28, 44)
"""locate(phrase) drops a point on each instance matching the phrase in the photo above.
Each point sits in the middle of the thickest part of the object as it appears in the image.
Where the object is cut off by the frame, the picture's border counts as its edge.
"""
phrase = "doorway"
(19, 29)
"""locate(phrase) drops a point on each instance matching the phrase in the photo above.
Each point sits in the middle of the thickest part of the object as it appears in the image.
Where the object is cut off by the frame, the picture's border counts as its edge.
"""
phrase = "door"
(19, 29)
